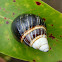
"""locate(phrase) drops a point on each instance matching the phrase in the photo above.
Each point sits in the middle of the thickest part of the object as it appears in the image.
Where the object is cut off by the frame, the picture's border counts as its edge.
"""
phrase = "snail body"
(31, 30)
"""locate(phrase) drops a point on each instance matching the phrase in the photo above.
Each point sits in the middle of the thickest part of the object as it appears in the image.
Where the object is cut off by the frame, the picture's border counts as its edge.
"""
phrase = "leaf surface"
(9, 10)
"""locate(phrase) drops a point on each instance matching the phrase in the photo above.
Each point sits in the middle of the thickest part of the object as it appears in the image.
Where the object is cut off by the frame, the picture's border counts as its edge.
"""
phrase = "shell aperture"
(31, 30)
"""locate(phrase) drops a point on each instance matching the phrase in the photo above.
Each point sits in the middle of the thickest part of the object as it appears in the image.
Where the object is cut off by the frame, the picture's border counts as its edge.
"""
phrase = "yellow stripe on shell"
(40, 36)
(30, 30)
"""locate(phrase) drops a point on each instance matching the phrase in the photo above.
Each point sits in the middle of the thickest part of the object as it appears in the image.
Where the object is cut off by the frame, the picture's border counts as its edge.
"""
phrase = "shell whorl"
(29, 28)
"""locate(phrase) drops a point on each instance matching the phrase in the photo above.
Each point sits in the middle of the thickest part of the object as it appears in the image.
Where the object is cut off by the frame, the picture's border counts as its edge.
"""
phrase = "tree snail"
(31, 30)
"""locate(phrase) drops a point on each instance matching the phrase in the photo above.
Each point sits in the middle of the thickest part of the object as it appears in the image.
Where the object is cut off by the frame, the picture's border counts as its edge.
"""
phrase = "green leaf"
(9, 10)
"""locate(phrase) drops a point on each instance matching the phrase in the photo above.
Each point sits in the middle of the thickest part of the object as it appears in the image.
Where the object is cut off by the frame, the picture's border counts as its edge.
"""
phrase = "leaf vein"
(4, 17)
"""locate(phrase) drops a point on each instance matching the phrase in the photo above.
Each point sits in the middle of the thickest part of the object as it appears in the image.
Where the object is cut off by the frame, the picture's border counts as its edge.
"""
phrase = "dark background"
(57, 4)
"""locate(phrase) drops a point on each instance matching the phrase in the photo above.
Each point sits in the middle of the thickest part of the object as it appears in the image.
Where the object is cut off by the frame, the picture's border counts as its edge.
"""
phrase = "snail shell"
(31, 30)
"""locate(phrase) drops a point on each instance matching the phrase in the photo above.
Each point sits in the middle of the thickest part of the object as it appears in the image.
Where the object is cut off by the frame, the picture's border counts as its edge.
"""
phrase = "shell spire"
(31, 30)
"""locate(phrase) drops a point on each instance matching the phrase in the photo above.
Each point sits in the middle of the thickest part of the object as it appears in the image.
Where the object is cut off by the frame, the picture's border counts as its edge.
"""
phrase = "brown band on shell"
(40, 36)
(30, 30)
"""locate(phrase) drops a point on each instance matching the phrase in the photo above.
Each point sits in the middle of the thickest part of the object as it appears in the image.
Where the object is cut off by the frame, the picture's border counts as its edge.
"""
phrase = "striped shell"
(31, 30)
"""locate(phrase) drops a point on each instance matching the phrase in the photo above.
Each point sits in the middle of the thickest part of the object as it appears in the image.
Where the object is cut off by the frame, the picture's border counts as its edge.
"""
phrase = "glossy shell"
(30, 29)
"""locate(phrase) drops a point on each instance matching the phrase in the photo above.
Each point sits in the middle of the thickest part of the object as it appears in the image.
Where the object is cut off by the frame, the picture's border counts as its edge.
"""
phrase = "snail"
(31, 30)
